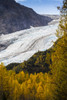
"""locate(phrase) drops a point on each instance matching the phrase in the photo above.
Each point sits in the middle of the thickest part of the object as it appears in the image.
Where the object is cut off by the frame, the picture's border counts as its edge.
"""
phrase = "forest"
(44, 75)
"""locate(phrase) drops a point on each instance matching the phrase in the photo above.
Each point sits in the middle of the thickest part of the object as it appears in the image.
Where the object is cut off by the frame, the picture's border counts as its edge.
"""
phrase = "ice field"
(21, 45)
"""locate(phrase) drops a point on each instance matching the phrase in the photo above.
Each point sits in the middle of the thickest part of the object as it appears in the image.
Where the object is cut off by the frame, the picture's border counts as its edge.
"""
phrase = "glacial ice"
(23, 44)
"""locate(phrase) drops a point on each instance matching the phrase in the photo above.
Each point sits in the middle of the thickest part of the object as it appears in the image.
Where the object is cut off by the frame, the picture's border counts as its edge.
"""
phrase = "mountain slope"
(15, 17)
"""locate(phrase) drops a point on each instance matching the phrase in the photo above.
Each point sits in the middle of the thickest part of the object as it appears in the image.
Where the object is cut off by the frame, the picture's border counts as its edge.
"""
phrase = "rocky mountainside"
(54, 17)
(15, 17)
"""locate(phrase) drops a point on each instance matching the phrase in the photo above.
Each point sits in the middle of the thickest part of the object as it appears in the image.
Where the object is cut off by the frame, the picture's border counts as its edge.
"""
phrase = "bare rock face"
(15, 17)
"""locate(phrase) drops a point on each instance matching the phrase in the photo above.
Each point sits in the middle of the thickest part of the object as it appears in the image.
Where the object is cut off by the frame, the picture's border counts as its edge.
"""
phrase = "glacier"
(21, 45)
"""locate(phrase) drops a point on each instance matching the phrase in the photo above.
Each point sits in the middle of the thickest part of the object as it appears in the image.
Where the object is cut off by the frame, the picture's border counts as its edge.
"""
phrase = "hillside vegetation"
(39, 62)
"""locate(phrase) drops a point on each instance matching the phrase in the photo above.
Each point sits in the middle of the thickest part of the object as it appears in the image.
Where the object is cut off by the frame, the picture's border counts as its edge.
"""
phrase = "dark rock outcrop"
(15, 17)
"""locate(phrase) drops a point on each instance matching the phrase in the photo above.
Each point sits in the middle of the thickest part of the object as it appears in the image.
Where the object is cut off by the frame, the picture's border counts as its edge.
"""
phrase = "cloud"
(55, 0)
(20, 0)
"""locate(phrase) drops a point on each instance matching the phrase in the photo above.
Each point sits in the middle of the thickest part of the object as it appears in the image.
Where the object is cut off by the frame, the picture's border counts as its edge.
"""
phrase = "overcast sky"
(42, 6)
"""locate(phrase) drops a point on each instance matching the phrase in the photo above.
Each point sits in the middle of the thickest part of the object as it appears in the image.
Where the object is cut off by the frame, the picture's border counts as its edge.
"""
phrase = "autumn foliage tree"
(59, 61)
